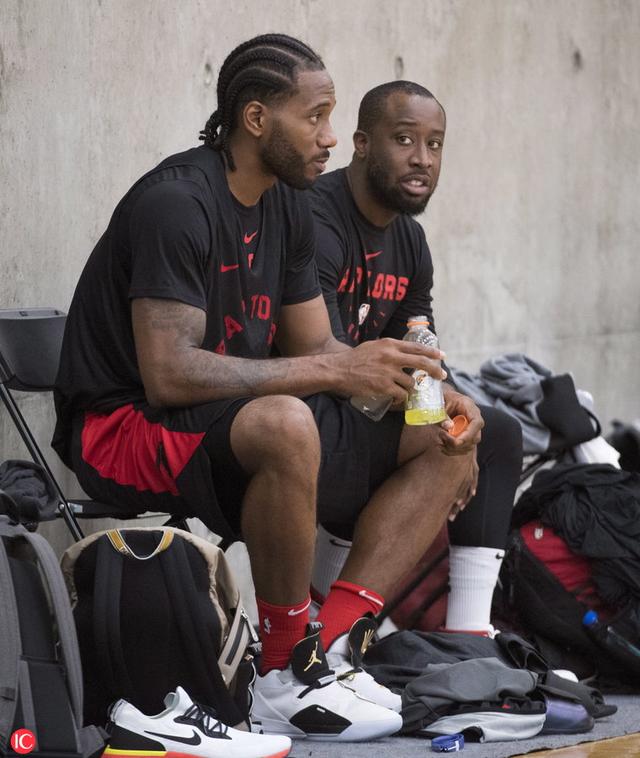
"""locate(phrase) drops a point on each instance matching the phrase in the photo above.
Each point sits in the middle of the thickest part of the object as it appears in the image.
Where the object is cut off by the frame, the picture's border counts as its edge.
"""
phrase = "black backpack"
(40, 673)
(546, 600)
(155, 608)
(625, 438)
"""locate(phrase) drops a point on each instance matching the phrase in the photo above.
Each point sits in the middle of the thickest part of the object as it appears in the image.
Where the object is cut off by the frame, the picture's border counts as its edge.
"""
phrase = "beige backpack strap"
(240, 635)
(119, 544)
(225, 594)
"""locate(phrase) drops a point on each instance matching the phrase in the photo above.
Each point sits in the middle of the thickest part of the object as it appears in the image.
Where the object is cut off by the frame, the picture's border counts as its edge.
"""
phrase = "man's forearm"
(176, 371)
(199, 376)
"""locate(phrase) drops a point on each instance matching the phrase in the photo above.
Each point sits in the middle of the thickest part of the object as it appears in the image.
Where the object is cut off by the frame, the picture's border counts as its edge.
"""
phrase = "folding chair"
(30, 344)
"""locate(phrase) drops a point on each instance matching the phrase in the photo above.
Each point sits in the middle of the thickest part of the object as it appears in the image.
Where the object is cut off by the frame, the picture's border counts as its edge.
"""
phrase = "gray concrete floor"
(625, 721)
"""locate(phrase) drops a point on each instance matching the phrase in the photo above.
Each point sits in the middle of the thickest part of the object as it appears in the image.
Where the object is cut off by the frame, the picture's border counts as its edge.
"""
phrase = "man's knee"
(502, 432)
(273, 431)
(416, 440)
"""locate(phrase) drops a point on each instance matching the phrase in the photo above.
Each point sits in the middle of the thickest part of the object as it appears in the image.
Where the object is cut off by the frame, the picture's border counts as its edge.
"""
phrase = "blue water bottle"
(606, 637)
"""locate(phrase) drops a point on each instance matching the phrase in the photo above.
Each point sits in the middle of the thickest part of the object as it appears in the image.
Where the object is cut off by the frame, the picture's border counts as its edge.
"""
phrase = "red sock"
(281, 627)
(345, 604)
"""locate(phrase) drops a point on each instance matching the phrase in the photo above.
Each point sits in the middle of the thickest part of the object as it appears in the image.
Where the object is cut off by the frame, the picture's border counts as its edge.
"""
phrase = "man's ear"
(253, 118)
(361, 144)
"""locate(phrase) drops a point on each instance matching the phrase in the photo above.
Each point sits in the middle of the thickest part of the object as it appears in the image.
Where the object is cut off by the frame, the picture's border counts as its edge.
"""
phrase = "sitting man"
(167, 398)
(376, 272)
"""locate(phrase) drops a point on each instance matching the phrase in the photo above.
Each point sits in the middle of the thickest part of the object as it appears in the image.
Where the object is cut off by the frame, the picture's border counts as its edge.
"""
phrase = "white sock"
(330, 557)
(473, 573)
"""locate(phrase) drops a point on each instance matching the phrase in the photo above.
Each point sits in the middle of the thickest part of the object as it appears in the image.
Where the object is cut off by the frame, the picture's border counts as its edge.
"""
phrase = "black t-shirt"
(180, 234)
(373, 279)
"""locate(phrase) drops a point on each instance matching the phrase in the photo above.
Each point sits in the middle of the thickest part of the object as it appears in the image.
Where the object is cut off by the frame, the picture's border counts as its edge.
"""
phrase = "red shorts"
(180, 460)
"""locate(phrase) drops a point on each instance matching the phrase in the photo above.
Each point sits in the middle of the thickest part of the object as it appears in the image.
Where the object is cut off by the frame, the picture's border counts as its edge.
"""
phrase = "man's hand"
(457, 404)
(375, 368)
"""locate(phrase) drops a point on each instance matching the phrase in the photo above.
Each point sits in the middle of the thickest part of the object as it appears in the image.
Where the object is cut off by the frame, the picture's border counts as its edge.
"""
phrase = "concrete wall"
(534, 228)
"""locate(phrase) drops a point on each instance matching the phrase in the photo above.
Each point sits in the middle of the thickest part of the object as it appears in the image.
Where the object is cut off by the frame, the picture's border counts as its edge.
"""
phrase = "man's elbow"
(155, 398)
(159, 388)
(156, 395)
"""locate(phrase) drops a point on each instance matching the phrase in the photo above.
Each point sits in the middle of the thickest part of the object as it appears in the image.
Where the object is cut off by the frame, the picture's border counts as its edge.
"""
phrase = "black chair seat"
(30, 345)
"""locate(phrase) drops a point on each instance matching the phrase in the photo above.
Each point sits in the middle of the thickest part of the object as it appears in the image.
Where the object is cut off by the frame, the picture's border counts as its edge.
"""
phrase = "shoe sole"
(360, 732)
(173, 754)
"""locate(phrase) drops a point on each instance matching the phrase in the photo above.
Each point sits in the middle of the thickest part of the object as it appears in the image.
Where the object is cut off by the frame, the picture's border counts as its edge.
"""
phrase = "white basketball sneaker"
(345, 658)
(305, 700)
(187, 729)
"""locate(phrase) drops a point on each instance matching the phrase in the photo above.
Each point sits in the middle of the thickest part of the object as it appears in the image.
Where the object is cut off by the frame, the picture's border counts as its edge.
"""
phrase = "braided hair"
(265, 68)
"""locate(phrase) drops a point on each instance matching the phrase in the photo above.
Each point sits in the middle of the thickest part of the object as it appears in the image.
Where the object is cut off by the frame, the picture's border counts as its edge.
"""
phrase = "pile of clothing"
(552, 413)
(486, 689)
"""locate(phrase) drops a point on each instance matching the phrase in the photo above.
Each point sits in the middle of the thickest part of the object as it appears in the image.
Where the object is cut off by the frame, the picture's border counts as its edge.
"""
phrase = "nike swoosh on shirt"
(195, 740)
(365, 594)
(296, 613)
(230, 267)
(249, 237)
(368, 256)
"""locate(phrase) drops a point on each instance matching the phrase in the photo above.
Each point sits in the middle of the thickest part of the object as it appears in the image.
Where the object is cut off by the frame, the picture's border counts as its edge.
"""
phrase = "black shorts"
(180, 461)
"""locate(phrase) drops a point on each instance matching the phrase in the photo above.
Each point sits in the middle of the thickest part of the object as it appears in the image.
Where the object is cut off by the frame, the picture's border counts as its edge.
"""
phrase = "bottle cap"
(417, 321)
(590, 618)
(460, 423)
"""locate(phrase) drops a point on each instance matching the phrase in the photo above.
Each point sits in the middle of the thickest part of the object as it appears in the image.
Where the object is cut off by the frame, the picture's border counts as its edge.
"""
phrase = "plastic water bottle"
(374, 407)
(425, 403)
(606, 637)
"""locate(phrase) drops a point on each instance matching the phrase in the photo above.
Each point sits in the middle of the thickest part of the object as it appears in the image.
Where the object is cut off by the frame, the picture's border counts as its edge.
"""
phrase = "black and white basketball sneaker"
(305, 700)
(185, 729)
(345, 658)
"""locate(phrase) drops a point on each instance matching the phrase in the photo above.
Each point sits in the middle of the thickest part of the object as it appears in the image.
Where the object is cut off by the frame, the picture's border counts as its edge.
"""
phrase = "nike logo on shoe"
(249, 237)
(194, 740)
(230, 267)
(291, 612)
(365, 594)
(369, 256)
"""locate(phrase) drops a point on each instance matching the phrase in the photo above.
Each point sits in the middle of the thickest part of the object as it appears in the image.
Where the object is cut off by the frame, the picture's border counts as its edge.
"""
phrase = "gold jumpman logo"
(313, 658)
(368, 635)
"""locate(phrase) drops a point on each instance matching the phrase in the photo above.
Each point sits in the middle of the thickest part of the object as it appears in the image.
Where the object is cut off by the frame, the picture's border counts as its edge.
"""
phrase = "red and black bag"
(545, 591)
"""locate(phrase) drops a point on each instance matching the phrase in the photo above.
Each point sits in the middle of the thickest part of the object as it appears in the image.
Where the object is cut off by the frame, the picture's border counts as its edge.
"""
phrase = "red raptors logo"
(23, 741)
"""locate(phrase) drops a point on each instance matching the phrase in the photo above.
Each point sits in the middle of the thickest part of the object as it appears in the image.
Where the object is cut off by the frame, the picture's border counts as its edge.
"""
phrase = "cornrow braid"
(265, 68)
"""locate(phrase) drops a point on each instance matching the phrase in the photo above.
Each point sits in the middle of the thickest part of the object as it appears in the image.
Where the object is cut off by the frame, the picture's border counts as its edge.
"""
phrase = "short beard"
(283, 160)
(391, 196)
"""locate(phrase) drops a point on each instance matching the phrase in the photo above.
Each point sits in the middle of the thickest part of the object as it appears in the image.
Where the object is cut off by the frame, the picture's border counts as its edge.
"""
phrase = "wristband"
(448, 743)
